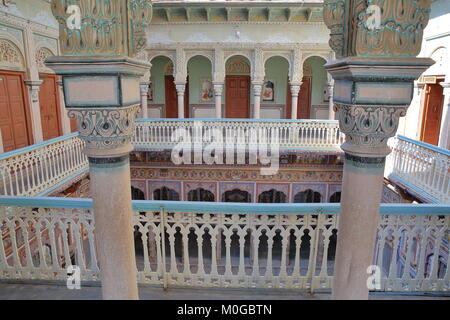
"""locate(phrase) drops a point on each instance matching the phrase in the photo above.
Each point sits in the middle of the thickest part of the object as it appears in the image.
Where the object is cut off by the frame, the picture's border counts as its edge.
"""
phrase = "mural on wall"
(206, 93)
(268, 90)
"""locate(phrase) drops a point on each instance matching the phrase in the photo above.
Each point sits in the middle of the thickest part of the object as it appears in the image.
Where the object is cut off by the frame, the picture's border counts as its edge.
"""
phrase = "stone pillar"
(36, 124)
(257, 87)
(144, 99)
(444, 136)
(331, 113)
(65, 121)
(101, 79)
(180, 94)
(295, 88)
(373, 89)
(218, 89)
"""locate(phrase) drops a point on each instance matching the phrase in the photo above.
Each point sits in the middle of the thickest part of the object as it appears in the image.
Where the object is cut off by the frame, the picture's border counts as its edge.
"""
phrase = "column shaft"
(180, 95)
(295, 88)
(358, 221)
(257, 100)
(144, 99)
(218, 88)
(113, 221)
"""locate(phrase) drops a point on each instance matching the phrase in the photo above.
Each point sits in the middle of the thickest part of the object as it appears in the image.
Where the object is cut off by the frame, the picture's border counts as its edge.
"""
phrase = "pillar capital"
(370, 96)
(257, 87)
(218, 88)
(295, 88)
(180, 87)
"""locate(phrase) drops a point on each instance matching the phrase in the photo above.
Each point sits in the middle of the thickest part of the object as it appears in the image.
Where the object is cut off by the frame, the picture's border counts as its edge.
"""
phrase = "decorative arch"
(271, 55)
(272, 196)
(440, 55)
(237, 65)
(169, 68)
(137, 194)
(209, 56)
(165, 193)
(161, 54)
(41, 55)
(315, 55)
(10, 55)
(236, 195)
(200, 194)
(308, 196)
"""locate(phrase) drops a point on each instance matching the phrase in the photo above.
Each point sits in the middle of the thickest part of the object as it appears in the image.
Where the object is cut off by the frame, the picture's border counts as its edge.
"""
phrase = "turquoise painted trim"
(425, 145)
(59, 184)
(46, 202)
(235, 120)
(416, 191)
(225, 207)
(33, 147)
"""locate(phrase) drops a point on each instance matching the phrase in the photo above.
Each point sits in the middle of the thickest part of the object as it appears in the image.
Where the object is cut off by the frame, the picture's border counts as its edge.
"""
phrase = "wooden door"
(49, 105)
(432, 113)
(14, 120)
(171, 97)
(304, 99)
(237, 98)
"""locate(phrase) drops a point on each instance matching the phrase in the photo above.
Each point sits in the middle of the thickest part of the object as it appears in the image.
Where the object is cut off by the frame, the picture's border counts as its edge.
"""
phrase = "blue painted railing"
(36, 146)
(225, 207)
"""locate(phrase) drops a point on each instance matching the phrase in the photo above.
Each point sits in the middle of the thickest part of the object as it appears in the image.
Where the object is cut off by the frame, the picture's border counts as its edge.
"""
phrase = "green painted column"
(101, 81)
(376, 43)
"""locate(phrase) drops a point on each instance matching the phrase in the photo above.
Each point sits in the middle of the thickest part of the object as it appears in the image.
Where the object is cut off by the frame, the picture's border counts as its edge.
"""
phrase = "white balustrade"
(234, 245)
(421, 168)
(34, 170)
(244, 133)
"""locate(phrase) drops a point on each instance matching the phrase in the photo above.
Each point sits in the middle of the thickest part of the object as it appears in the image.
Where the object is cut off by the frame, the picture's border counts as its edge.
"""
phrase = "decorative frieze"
(10, 55)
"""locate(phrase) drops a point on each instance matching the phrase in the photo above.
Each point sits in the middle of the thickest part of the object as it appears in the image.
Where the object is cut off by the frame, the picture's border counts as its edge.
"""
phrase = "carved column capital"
(295, 88)
(218, 89)
(370, 96)
(180, 87)
(257, 88)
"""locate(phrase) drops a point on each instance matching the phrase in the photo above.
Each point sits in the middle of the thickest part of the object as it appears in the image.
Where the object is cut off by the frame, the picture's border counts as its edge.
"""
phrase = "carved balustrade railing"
(421, 168)
(234, 245)
(39, 168)
(241, 133)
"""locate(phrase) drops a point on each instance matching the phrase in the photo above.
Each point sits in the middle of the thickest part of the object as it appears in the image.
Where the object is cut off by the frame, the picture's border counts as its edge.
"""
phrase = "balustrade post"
(373, 89)
(101, 80)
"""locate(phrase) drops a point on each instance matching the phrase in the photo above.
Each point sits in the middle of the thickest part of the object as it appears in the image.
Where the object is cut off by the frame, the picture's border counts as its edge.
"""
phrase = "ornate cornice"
(22, 23)
(376, 28)
(102, 28)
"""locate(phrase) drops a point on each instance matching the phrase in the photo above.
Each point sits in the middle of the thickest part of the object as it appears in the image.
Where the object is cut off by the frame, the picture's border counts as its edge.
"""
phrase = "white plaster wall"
(238, 33)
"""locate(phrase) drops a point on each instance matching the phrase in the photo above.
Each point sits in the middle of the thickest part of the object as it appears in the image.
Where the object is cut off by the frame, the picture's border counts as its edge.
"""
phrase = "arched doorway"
(335, 197)
(165, 193)
(275, 88)
(164, 92)
(201, 93)
(200, 194)
(272, 196)
(137, 194)
(237, 88)
(308, 196)
(236, 195)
